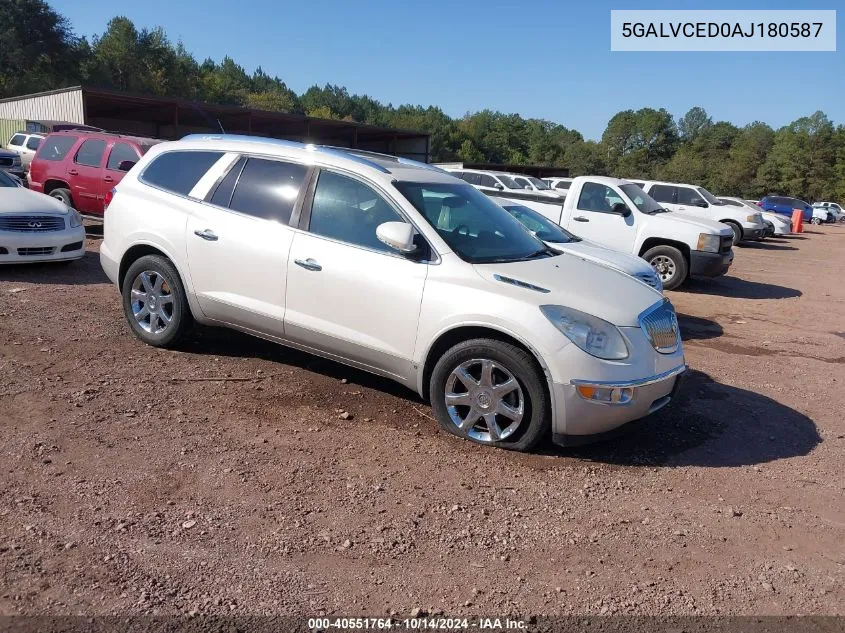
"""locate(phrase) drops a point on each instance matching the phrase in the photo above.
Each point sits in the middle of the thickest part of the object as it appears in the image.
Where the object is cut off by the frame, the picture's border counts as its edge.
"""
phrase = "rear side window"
(268, 189)
(56, 147)
(33, 142)
(119, 153)
(662, 193)
(179, 171)
(90, 153)
(17, 139)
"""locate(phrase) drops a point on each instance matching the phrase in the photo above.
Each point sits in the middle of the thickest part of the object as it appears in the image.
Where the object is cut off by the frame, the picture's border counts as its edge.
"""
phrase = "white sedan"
(563, 241)
(37, 228)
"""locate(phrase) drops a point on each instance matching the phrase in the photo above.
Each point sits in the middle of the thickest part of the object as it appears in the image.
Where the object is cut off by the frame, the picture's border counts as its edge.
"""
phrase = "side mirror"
(498, 186)
(620, 208)
(398, 236)
(126, 165)
(700, 203)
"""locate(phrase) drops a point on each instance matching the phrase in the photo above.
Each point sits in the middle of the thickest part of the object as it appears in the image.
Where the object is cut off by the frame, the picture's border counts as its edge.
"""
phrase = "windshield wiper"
(509, 260)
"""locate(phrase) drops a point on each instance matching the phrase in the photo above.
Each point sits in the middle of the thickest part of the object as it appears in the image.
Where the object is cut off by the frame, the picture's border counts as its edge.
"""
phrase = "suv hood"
(628, 264)
(702, 224)
(20, 200)
(574, 282)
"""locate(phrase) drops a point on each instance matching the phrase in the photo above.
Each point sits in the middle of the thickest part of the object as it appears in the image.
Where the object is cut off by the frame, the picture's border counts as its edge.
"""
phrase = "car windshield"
(710, 197)
(538, 183)
(540, 225)
(509, 182)
(641, 199)
(477, 229)
(6, 181)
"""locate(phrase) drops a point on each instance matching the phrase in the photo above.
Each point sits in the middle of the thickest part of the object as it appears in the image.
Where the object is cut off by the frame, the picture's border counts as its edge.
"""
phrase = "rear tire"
(155, 303)
(670, 264)
(491, 392)
(63, 195)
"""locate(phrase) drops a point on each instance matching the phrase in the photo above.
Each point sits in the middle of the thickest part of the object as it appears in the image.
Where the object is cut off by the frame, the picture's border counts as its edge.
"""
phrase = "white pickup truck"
(619, 215)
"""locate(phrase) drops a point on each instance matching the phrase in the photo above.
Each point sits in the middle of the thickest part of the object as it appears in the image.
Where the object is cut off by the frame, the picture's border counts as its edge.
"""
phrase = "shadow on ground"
(741, 289)
(76, 273)
(711, 425)
(698, 329)
(768, 245)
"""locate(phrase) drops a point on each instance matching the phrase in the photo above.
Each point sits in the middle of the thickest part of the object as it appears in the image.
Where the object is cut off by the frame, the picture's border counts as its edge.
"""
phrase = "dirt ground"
(138, 481)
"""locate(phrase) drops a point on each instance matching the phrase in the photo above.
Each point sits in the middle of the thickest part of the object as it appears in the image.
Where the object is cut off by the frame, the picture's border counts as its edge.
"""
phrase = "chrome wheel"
(664, 266)
(484, 400)
(152, 302)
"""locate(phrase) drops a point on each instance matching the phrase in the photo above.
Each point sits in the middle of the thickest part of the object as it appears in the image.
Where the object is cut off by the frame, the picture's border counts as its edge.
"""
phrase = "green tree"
(693, 123)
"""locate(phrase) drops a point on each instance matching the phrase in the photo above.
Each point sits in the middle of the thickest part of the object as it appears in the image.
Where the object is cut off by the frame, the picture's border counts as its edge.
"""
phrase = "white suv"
(501, 183)
(394, 267)
(25, 144)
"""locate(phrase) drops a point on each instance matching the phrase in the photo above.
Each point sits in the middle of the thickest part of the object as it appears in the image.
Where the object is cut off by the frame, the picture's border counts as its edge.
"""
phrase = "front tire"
(816, 221)
(155, 303)
(670, 264)
(491, 392)
(63, 195)
(737, 229)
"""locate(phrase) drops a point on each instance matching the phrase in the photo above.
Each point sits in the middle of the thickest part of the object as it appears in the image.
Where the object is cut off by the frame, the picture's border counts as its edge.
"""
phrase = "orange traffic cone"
(797, 221)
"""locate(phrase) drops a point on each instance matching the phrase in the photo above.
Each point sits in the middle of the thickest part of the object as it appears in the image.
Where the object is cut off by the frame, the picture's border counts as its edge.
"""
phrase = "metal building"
(172, 118)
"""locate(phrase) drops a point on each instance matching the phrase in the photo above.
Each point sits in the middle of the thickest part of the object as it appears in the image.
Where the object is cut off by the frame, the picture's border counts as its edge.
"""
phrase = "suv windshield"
(710, 197)
(540, 226)
(538, 183)
(477, 229)
(641, 199)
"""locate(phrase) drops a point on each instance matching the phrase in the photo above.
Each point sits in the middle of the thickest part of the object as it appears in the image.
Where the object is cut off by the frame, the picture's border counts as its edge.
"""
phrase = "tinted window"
(486, 180)
(33, 142)
(562, 185)
(729, 202)
(597, 197)
(179, 171)
(688, 196)
(56, 147)
(662, 193)
(473, 179)
(90, 153)
(347, 210)
(268, 189)
(17, 139)
(223, 193)
(119, 153)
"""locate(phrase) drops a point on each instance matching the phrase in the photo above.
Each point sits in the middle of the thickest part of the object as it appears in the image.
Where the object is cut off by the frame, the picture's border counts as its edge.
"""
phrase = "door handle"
(308, 264)
(73, 172)
(581, 218)
(108, 179)
(206, 234)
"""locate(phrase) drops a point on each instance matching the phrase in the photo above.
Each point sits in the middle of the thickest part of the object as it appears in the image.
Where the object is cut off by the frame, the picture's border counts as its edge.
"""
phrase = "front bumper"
(588, 421)
(47, 246)
(753, 233)
(703, 264)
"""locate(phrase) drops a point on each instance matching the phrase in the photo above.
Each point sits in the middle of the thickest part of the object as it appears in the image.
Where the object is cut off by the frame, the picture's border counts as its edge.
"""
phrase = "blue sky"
(547, 59)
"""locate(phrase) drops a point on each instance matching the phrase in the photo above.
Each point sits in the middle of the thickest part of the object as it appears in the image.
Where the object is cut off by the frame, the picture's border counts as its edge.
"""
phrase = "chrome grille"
(36, 250)
(31, 223)
(660, 324)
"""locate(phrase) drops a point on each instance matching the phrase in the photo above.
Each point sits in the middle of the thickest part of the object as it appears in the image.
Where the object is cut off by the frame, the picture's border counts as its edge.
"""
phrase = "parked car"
(535, 184)
(618, 214)
(822, 216)
(560, 239)
(492, 182)
(779, 225)
(25, 144)
(37, 228)
(80, 168)
(442, 290)
(784, 205)
(559, 184)
(698, 202)
(835, 209)
(10, 162)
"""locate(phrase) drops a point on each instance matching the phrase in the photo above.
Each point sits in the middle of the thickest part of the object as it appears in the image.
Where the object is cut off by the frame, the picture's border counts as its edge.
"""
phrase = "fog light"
(606, 395)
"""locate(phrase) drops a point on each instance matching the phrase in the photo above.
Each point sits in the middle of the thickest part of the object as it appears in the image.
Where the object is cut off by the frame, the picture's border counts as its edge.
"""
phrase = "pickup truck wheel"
(491, 392)
(737, 229)
(669, 263)
(63, 195)
(155, 303)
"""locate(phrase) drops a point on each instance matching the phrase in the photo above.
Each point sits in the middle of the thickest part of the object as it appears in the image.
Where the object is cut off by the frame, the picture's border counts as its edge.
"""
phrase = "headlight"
(709, 243)
(74, 218)
(754, 219)
(595, 336)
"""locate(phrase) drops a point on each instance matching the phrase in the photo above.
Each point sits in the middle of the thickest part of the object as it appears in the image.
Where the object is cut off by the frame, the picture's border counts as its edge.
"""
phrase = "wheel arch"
(464, 332)
(732, 222)
(52, 184)
(136, 252)
(651, 242)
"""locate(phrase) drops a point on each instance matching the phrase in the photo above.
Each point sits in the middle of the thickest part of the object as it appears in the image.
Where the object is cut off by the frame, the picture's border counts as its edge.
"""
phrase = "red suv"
(80, 167)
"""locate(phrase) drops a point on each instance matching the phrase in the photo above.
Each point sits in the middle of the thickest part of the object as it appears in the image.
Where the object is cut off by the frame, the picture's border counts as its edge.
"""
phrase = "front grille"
(31, 223)
(660, 324)
(725, 244)
(37, 250)
(6, 162)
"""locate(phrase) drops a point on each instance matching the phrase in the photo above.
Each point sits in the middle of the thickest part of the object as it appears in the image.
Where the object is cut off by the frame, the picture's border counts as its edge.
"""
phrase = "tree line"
(39, 51)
